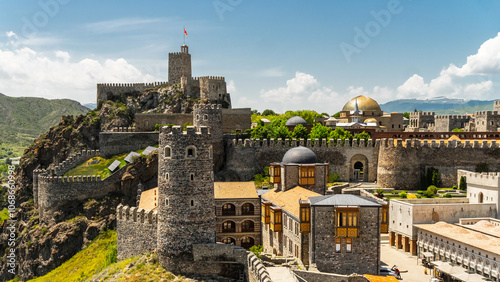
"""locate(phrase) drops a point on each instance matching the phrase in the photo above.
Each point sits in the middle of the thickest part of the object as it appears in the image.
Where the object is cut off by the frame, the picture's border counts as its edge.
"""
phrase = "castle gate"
(358, 169)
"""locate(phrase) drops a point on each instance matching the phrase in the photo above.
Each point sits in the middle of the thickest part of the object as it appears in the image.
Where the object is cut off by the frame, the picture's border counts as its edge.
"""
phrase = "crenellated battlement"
(422, 114)
(460, 117)
(70, 179)
(143, 84)
(287, 143)
(486, 113)
(203, 107)
(121, 129)
(441, 143)
(491, 179)
(190, 130)
(135, 214)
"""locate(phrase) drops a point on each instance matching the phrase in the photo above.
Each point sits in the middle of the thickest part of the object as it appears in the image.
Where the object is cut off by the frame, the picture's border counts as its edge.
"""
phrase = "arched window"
(480, 197)
(247, 209)
(229, 240)
(190, 152)
(228, 209)
(229, 226)
(247, 242)
(168, 152)
(247, 226)
(205, 117)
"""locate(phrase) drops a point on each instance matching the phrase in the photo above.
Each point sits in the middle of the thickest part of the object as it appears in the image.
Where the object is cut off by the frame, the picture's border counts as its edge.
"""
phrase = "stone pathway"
(280, 274)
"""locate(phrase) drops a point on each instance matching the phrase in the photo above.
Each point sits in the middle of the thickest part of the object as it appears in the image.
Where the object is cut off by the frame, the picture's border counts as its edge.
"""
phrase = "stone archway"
(358, 170)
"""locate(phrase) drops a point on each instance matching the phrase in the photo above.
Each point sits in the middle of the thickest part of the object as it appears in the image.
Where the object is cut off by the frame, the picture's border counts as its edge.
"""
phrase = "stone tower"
(179, 65)
(210, 115)
(185, 195)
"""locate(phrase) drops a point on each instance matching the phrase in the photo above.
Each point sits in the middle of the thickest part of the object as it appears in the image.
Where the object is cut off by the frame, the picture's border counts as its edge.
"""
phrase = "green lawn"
(100, 168)
(88, 262)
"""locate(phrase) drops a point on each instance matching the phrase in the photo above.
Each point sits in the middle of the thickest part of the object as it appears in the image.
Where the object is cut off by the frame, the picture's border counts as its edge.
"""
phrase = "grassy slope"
(24, 118)
(98, 262)
(465, 110)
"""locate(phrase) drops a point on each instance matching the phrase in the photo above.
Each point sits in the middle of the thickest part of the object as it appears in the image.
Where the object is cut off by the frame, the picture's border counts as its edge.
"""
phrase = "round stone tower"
(210, 115)
(185, 195)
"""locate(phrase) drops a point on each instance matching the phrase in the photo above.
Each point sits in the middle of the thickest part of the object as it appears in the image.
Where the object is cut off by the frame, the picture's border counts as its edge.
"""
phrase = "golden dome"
(364, 104)
(370, 120)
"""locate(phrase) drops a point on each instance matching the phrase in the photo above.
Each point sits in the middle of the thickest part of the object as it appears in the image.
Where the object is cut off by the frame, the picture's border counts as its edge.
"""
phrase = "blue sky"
(282, 55)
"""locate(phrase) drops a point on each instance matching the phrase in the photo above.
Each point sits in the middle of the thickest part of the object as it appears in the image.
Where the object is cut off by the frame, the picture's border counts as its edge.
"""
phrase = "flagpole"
(184, 33)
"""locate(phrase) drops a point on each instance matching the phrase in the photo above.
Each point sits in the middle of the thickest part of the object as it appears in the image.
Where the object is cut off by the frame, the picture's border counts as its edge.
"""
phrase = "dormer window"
(275, 173)
(191, 152)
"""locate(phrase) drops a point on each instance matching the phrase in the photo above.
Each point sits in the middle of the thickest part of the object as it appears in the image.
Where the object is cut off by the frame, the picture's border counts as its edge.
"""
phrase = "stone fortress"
(189, 162)
(483, 121)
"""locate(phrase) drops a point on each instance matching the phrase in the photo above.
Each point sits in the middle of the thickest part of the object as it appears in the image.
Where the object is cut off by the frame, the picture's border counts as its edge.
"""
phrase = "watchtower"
(210, 115)
(185, 194)
(179, 65)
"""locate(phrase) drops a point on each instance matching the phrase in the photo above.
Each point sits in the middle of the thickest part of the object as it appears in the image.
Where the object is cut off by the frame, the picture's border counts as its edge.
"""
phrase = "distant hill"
(24, 118)
(465, 110)
(91, 105)
(438, 104)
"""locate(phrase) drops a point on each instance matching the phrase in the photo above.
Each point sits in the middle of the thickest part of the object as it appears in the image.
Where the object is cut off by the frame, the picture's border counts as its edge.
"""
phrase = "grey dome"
(296, 120)
(299, 155)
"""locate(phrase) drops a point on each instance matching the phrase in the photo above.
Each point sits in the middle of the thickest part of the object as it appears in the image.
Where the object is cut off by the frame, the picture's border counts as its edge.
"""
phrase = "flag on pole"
(185, 32)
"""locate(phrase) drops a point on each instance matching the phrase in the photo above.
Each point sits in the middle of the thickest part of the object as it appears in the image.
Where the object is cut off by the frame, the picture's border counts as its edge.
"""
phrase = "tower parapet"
(179, 65)
(210, 115)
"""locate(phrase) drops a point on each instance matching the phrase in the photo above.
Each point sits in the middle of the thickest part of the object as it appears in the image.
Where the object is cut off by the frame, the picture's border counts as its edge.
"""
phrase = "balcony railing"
(249, 229)
(247, 213)
(228, 212)
(228, 230)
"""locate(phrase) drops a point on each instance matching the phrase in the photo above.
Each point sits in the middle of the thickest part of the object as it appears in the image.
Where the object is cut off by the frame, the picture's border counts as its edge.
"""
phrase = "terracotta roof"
(235, 190)
(464, 235)
(289, 200)
(149, 199)
(378, 278)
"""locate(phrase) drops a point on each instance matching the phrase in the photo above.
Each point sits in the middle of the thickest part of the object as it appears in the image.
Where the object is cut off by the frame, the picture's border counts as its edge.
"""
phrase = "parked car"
(388, 272)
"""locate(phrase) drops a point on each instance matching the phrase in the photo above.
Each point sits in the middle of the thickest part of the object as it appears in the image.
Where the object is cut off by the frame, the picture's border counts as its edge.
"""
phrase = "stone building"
(487, 121)
(421, 121)
(336, 233)
(292, 122)
(482, 187)
(467, 250)
(237, 208)
(404, 214)
(446, 123)
(366, 111)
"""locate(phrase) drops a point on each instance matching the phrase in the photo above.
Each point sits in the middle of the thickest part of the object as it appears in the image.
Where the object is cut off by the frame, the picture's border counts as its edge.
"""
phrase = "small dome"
(296, 120)
(364, 104)
(370, 120)
(299, 155)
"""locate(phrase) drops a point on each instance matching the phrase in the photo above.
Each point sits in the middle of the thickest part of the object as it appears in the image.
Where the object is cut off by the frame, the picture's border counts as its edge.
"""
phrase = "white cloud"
(116, 25)
(11, 34)
(25, 72)
(230, 87)
(272, 72)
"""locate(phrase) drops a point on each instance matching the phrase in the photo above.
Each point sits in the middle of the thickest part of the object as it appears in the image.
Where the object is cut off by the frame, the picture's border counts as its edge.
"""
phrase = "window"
(306, 175)
(166, 202)
(229, 240)
(275, 173)
(210, 152)
(205, 117)
(228, 226)
(146, 123)
(190, 152)
(348, 245)
(347, 219)
(338, 243)
(192, 203)
(167, 176)
(347, 222)
(228, 209)
(191, 176)
(197, 117)
(247, 209)
(168, 152)
(247, 226)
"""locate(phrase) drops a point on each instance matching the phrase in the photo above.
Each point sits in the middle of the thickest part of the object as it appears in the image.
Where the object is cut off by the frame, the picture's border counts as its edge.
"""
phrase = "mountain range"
(24, 118)
(440, 105)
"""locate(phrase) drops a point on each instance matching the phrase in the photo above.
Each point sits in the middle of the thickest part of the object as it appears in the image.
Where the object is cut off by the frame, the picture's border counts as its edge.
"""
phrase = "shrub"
(432, 189)
(420, 192)
(257, 250)
(447, 195)
(428, 194)
(394, 192)
(412, 196)
(380, 192)
(403, 195)
(454, 187)
(333, 177)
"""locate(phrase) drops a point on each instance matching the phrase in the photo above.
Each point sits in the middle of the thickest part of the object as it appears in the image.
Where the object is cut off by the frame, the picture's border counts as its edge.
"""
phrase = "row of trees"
(277, 129)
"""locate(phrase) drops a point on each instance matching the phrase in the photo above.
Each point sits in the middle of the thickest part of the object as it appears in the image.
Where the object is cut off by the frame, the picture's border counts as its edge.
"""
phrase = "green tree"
(458, 130)
(436, 178)
(299, 131)
(268, 112)
(320, 131)
(282, 132)
(463, 183)
(406, 114)
(324, 114)
(336, 115)
(362, 135)
(340, 133)
(255, 112)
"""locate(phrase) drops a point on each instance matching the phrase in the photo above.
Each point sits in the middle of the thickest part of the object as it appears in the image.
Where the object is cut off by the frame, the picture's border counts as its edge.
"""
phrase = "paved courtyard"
(406, 263)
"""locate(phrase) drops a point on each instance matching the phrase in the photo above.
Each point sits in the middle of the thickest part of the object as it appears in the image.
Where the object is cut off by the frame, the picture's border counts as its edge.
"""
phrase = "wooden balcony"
(346, 232)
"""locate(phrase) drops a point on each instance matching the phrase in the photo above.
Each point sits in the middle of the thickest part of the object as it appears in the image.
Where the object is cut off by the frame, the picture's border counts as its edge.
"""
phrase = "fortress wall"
(236, 119)
(106, 91)
(147, 122)
(112, 143)
(56, 191)
(401, 165)
(75, 160)
(249, 157)
(487, 121)
(136, 231)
